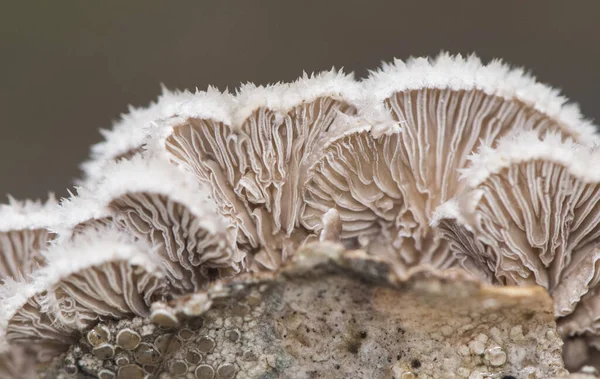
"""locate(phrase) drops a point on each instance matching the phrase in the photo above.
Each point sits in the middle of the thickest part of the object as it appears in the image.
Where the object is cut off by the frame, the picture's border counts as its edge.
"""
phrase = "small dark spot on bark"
(415, 363)
(354, 346)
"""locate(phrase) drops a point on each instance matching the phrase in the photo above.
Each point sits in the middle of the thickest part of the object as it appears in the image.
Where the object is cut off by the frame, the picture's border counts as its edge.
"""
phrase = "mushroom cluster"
(445, 164)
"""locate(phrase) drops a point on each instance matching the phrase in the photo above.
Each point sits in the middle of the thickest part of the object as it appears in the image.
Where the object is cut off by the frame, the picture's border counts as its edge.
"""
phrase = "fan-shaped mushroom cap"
(413, 88)
(449, 223)
(254, 156)
(531, 215)
(78, 213)
(360, 176)
(23, 321)
(577, 298)
(128, 136)
(23, 233)
(101, 273)
(96, 275)
(157, 201)
(392, 179)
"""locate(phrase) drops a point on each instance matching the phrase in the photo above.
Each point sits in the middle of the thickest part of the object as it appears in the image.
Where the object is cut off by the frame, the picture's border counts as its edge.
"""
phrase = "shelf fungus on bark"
(254, 154)
(78, 213)
(23, 234)
(128, 136)
(387, 181)
(531, 215)
(153, 200)
(337, 314)
(438, 219)
(23, 321)
(99, 274)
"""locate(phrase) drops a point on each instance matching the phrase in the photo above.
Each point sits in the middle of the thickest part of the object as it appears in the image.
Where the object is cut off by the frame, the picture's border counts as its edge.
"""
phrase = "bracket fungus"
(129, 135)
(101, 273)
(254, 151)
(392, 174)
(530, 215)
(23, 233)
(439, 219)
(153, 200)
(78, 213)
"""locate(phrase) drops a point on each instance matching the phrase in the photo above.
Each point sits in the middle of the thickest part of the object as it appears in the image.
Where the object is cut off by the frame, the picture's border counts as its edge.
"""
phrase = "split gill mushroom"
(437, 218)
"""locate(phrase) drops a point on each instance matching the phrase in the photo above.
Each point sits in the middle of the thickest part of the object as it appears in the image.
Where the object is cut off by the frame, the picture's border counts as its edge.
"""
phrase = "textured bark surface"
(331, 314)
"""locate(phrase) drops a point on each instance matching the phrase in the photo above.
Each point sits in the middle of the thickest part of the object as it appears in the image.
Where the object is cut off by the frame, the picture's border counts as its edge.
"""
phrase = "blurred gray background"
(69, 68)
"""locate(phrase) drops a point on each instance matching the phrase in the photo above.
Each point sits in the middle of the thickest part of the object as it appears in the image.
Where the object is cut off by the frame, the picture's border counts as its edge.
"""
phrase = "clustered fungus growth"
(205, 223)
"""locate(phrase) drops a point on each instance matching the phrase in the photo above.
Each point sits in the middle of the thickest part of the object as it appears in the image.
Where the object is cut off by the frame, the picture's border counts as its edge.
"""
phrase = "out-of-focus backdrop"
(68, 68)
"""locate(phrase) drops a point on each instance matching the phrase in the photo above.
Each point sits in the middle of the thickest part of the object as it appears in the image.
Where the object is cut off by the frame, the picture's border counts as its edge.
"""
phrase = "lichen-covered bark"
(332, 314)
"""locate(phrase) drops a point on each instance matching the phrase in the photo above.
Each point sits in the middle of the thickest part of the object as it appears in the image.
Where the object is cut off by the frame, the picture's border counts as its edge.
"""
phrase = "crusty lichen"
(333, 314)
